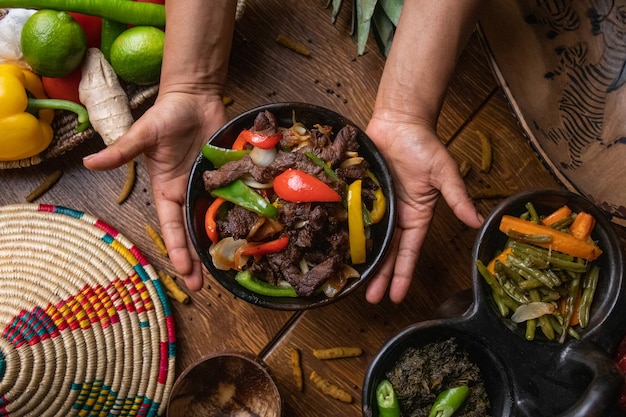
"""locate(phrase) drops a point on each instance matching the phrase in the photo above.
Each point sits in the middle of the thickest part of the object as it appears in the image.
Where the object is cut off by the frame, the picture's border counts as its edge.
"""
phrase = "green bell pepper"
(237, 192)
(219, 156)
(246, 280)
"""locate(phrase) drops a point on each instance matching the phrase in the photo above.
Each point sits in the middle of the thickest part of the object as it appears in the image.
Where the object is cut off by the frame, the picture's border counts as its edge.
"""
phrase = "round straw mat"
(86, 326)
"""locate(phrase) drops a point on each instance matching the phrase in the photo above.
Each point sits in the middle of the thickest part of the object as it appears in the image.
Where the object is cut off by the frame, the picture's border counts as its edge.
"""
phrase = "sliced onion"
(225, 254)
(356, 160)
(334, 285)
(262, 157)
(532, 310)
(269, 228)
(304, 266)
(251, 182)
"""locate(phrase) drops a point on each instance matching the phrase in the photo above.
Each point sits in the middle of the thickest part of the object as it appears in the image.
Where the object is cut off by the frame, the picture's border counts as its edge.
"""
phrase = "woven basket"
(86, 326)
(65, 136)
(64, 125)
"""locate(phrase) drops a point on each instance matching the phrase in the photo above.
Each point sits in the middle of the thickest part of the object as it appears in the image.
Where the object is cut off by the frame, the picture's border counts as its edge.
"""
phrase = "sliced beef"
(265, 122)
(238, 223)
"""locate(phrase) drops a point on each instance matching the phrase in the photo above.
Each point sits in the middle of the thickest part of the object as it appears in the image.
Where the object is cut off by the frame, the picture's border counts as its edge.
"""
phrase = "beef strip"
(238, 223)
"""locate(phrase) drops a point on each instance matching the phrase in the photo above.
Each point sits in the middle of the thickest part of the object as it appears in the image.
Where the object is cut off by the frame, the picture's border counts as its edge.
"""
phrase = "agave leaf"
(364, 12)
(336, 8)
(384, 30)
(392, 8)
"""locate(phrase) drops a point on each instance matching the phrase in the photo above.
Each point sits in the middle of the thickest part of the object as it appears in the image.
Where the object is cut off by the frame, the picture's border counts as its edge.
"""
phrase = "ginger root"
(104, 98)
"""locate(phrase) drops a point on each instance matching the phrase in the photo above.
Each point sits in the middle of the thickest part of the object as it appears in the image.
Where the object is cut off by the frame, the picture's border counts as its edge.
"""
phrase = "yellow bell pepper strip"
(25, 127)
(356, 228)
(380, 203)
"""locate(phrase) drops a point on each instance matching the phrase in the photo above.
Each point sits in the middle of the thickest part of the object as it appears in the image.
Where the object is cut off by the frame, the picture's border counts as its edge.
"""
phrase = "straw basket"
(86, 325)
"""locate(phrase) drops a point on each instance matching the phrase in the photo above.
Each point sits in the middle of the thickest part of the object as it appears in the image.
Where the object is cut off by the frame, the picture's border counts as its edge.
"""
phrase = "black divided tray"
(539, 378)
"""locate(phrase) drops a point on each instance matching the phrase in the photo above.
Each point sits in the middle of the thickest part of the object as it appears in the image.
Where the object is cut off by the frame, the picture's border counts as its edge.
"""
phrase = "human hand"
(170, 135)
(422, 170)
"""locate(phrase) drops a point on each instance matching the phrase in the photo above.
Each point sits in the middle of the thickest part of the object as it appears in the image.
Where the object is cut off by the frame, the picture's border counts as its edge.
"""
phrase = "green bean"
(544, 321)
(574, 285)
(531, 327)
(529, 272)
(489, 278)
(512, 274)
(529, 237)
(552, 258)
(530, 284)
(590, 283)
(532, 212)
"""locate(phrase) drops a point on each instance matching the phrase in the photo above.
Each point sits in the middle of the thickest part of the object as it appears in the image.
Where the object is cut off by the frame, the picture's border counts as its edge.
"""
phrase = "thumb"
(123, 150)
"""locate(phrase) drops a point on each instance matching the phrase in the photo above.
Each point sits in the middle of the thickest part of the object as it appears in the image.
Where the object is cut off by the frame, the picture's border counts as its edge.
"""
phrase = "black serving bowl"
(538, 378)
(198, 200)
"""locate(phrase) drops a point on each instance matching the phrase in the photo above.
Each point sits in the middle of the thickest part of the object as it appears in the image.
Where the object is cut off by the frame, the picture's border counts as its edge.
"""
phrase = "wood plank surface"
(333, 76)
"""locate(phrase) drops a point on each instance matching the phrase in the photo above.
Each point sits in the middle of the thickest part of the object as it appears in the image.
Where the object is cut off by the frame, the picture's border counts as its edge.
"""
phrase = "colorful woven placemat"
(87, 329)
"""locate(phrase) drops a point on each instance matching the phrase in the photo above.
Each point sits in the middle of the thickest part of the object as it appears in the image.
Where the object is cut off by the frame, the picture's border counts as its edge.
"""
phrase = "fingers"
(180, 249)
(124, 150)
(455, 193)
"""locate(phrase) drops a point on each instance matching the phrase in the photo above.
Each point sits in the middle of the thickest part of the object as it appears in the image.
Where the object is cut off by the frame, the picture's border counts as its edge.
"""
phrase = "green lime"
(137, 54)
(53, 43)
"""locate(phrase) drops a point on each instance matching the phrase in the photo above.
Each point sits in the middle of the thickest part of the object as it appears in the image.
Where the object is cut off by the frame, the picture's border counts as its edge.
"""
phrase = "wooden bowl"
(225, 384)
(561, 65)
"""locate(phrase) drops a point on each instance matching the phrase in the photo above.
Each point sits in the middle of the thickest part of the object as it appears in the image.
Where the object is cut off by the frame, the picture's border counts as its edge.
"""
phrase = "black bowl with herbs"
(534, 376)
(295, 245)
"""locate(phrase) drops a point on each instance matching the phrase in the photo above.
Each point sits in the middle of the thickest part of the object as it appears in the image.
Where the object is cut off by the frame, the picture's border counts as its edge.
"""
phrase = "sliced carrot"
(560, 241)
(582, 225)
(491, 266)
(558, 214)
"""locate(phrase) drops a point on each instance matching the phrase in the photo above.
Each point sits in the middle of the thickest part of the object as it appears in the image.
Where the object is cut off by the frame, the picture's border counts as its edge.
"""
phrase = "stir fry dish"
(545, 276)
(292, 207)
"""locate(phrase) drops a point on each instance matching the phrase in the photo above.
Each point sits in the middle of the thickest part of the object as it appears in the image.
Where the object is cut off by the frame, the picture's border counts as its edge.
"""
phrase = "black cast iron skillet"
(537, 378)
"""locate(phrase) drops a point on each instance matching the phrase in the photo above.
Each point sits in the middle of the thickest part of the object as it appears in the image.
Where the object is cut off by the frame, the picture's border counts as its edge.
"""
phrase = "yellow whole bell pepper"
(26, 114)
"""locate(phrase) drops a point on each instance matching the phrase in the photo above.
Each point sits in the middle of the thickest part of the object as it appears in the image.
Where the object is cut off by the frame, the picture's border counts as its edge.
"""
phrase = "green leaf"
(364, 12)
(336, 8)
(384, 30)
(392, 8)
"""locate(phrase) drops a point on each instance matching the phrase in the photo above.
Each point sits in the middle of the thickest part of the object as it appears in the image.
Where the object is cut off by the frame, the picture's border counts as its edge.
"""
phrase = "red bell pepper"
(264, 248)
(260, 140)
(299, 187)
(64, 88)
(92, 25)
(210, 225)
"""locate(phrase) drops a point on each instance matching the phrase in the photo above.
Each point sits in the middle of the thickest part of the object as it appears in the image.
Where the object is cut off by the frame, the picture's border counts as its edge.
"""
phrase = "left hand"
(422, 169)
(170, 134)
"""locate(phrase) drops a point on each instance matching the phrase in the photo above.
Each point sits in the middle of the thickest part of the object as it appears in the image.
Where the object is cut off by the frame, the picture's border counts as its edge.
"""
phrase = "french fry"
(296, 368)
(330, 389)
(157, 239)
(292, 44)
(172, 289)
(337, 352)
(131, 176)
(45, 186)
(486, 151)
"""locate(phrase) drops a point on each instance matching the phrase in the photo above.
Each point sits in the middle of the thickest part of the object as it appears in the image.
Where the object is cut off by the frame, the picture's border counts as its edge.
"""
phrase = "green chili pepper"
(240, 194)
(219, 156)
(388, 405)
(131, 12)
(245, 279)
(449, 401)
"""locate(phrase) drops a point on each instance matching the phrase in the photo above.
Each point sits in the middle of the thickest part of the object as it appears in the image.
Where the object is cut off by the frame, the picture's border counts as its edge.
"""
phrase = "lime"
(53, 43)
(137, 54)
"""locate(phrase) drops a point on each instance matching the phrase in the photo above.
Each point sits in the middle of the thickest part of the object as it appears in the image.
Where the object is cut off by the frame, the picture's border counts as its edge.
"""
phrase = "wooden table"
(333, 76)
